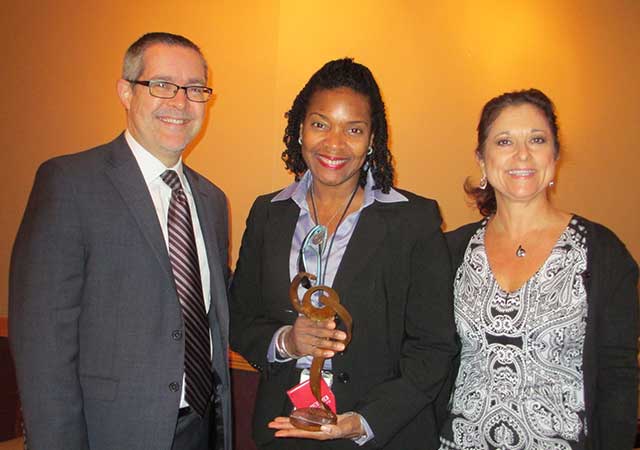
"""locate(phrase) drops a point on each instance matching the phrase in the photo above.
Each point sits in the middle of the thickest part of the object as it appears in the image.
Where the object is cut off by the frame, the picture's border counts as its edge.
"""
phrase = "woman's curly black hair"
(336, 74)
(485, 199)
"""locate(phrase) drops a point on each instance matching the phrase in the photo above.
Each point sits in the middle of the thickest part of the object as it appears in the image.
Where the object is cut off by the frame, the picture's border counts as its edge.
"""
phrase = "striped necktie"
(186, 272)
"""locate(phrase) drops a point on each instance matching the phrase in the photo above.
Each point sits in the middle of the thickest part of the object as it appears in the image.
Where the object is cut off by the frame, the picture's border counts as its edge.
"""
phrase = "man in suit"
(118, 307)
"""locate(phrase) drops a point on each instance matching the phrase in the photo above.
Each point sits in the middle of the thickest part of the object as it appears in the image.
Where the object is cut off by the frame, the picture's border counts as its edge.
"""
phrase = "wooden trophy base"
(311, 419)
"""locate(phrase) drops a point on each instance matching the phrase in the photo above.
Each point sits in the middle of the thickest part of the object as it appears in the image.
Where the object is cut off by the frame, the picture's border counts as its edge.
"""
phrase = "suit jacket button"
(176, 335)
(174, 387)
(343, 377)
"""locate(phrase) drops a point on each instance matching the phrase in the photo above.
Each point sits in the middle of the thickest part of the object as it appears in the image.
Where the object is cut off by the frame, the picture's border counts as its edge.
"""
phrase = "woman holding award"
(343, 237)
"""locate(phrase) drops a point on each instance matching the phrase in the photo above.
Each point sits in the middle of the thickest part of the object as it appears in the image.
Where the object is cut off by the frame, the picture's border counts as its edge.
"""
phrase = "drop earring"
(366, 164)
(483, 182)
(300, 140)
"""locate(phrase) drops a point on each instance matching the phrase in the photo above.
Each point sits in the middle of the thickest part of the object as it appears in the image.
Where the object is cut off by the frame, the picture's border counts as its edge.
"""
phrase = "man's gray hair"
(133, 64)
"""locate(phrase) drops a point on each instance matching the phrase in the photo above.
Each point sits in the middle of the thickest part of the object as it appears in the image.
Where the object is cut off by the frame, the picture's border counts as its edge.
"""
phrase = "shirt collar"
(150, 166)
(297, 191)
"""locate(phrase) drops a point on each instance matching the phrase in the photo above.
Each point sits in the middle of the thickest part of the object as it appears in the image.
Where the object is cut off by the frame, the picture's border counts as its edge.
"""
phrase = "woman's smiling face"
(336, 134)
(519, 157)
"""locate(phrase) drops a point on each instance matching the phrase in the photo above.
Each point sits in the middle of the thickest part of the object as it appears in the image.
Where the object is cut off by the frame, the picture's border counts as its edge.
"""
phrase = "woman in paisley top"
(545, 303)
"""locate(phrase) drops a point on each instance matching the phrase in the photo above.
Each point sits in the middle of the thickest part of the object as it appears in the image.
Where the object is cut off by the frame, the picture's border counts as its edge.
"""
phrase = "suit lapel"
(366, 238)
(279, 232)
(127, 178)
(207, 217)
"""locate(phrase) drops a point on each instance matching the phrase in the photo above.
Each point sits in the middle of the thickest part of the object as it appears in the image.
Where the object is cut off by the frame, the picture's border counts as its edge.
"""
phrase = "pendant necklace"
(521, 252)
(333, 236)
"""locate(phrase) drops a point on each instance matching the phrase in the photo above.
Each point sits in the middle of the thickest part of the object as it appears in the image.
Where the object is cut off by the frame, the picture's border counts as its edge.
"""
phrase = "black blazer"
(610, 364)
(394, 279)
(95, 323)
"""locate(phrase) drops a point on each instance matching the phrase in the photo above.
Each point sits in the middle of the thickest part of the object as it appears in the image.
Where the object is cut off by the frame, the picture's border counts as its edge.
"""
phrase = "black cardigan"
(610, 363)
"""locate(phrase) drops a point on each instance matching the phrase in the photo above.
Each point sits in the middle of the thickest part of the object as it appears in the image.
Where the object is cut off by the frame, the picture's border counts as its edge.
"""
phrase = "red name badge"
(302, 397)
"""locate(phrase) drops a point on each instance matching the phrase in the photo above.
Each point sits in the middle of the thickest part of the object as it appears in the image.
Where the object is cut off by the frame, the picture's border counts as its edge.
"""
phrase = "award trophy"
(325, 305)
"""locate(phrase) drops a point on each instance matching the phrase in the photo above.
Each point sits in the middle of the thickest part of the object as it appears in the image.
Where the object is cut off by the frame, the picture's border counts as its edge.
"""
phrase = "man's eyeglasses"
(165, 89)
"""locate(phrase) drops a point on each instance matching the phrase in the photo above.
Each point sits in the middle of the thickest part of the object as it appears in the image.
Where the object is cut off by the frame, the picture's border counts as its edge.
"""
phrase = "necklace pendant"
(521, 252)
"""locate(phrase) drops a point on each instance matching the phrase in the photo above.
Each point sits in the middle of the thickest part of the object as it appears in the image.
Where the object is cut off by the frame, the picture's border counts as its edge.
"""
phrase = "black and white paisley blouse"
(520, 383)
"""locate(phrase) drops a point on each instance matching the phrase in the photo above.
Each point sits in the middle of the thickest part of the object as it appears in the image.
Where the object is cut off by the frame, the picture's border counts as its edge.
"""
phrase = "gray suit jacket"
(95, 323)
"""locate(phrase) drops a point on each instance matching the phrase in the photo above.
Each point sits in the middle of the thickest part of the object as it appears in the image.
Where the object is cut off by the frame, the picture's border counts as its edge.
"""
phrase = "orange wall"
(436, 61)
